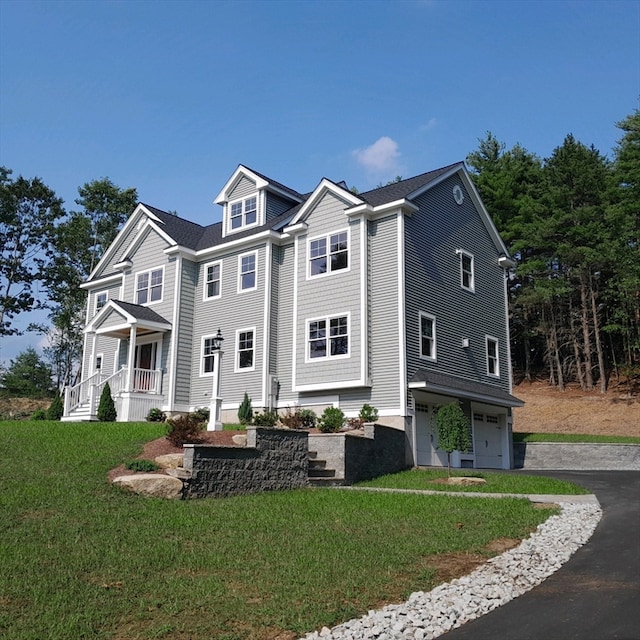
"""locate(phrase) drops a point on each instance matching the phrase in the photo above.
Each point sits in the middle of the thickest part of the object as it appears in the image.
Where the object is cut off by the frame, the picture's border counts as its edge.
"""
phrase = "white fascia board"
(141, 236)
(325, 186)
(102, 282)
(468, 395)
(249, 241)
(177, 250)
(139, 211)
(373, 213)
(441, 178)
(241, 171)
(110, 306)
(293, 229)
(320, 386)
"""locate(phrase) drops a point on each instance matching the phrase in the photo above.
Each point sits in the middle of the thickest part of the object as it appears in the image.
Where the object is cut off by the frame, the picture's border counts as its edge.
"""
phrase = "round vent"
(458, 196)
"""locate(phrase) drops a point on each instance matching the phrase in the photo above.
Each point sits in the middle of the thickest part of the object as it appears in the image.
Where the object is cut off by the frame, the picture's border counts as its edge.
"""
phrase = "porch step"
(81, 413)
(319, 474)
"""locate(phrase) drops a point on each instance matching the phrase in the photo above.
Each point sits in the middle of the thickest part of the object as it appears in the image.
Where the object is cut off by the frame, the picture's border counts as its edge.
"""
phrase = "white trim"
(327, 238)
(205, 282)
(429, 316)
(203, 373)
(232, 182)
(345, 384)
(294, 323)
(102, 282)
(495, 340)
(236, 353)
(466, 254)
(175, 329)
(364, 299)
(325, 186)
(141, 236)
(402, 332)
(327, 318)
(508, 332)
(95, 362)
(255, 285)
(229, 230)
(95, 302)
(149, 302)
(266, 351)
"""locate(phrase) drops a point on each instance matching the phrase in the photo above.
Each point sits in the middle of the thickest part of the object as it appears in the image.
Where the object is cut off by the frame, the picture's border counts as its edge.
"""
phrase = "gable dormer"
(249, 199)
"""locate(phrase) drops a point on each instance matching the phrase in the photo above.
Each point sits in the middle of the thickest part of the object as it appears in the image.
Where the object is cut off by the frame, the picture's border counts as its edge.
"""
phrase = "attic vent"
(458, 196)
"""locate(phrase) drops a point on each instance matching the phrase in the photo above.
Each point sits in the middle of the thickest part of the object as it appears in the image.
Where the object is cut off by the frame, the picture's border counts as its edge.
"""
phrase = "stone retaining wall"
(273, 459)
(573, 456)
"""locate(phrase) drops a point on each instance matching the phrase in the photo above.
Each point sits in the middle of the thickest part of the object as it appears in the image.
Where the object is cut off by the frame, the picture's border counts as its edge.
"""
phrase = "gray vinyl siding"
(243, 189)
(334, 294)
(230, 312)
(282, 332)
(188, 297)
(123, 244)
(113, 293)
(432, 237)
(276, 206)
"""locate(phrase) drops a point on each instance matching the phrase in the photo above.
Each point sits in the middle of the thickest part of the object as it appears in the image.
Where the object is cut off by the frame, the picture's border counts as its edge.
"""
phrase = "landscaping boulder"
(466, 480)
(155, 485)
(240, 439)
(170, 460)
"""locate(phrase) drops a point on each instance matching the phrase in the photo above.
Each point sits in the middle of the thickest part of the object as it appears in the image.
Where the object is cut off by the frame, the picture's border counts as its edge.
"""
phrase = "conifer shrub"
(156, 415)
(331, 420)
(245, 411)
(107, 408)
(56, 408)
(368, 413)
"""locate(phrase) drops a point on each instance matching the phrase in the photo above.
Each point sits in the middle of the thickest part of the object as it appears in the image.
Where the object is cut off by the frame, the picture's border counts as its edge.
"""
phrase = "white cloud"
(428, 126)
(381, 156)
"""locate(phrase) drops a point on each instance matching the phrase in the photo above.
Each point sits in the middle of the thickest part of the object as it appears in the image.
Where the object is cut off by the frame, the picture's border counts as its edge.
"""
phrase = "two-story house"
(395, 297)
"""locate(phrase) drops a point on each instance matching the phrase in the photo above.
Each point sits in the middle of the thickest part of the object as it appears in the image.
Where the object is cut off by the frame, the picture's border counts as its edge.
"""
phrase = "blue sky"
(169, 97)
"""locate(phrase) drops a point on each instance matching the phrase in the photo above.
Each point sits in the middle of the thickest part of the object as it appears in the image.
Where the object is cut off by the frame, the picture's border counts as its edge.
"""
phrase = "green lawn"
(496, 482)
(80, 558)
(574, 437)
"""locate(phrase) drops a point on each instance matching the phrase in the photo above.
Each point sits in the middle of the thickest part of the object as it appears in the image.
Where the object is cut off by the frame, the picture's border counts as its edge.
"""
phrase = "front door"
(427, 452)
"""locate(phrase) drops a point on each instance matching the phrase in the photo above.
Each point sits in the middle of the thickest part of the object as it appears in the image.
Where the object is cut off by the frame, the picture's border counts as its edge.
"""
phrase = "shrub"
(368, 413)
(201, 414)
(142, 465)
(298, 418)
(106, 408)
(156, 415)
(56, 408)
(266, 419)
(453, 430)
(245, 411)
(184, 429)
(331, 420)
(39, 414)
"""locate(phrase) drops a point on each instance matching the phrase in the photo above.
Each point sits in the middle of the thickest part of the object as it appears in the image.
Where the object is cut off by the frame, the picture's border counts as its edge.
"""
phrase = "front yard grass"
(80, 558)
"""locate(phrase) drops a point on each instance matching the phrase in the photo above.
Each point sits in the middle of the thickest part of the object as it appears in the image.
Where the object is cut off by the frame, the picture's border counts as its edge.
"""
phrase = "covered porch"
(136, 382)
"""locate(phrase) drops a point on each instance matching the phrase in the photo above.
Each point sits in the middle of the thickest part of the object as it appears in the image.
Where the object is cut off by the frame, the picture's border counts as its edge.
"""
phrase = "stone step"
(325, 482)
(317, 464)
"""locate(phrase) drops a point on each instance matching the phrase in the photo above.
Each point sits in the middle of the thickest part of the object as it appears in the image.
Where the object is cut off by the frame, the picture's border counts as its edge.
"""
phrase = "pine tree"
(245, 411)
(106, 408)
(56, 408)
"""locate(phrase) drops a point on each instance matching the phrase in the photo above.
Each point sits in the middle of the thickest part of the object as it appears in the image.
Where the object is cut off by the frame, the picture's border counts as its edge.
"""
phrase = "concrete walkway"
(594, 596)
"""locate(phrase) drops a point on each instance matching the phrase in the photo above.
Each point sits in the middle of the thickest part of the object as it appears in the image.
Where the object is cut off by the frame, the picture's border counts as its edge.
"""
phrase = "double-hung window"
(212, 280)
(329, 253)
(101, 299)
(208, 355)
(328, 337)
(247, 271)
(243, 213)
(427, 336)
(493, 362)
(467, 277)
(149, 286)
(245, 350)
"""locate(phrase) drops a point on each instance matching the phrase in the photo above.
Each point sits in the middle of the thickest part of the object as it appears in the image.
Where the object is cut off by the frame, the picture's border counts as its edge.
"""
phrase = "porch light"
(215, 406)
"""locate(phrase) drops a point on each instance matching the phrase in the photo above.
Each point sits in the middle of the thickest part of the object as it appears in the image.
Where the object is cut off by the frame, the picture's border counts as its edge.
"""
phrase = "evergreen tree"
(245, 411)
(27, 376)
(56, 408)
(106, 407)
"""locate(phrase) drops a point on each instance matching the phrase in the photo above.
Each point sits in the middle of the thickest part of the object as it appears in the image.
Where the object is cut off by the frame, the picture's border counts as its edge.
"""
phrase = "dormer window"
(243, 213)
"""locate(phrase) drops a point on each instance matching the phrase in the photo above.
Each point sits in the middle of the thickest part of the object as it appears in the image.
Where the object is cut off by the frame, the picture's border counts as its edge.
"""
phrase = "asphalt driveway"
(594, 596)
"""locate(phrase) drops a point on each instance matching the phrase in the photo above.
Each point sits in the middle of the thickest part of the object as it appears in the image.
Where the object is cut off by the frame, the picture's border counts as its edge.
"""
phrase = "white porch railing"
(88, 391)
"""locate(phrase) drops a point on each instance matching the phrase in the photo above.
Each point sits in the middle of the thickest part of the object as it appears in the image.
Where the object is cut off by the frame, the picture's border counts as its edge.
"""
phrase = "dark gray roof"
(278, 185)
(466, 388)
(141, 313)
(185, 233)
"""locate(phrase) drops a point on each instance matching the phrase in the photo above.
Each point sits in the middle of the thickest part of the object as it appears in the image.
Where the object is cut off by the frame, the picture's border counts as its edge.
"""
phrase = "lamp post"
(215, 406)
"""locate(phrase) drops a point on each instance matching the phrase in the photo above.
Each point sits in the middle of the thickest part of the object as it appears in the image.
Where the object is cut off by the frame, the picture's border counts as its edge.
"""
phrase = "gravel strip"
(428, 615)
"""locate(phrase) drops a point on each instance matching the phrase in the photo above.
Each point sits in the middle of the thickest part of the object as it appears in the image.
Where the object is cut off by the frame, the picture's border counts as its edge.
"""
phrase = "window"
(329, 253)
(328, 337)
(212, 284)
(244, 213)
(101, 299)
(208, 355)
(149, 286)
(99, 359)
(427, 336)
(467, 280)
(247, 272)
(493, 367)
(244, 349)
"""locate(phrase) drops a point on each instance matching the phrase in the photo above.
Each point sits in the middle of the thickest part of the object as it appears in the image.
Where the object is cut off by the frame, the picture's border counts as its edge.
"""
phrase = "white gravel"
(428, 615)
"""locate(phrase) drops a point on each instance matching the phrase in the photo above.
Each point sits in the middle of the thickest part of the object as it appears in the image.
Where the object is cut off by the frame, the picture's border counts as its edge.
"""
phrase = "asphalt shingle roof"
(141, 313)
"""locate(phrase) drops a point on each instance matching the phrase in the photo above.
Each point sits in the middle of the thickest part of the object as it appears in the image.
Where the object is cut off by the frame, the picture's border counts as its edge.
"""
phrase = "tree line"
(571, 222)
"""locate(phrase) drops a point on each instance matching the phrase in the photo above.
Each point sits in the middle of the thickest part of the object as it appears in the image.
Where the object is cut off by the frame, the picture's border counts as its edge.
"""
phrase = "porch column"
(91, 390)
(215, 406)
(131, 357)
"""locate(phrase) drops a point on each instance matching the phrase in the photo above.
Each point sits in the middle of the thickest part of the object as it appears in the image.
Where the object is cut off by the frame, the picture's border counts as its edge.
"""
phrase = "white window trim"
(328, 318)
(203, 373)
(327, 237)
(236, 355)
(497, 343)
(244, 255)
(431, 317)
(243, 226)
(206, 282)
(135, 286)
(98, 356)
(466, 254)
(99, 293)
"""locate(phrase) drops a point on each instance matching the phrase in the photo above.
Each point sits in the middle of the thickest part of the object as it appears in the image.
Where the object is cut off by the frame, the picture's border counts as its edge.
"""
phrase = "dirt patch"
(547, 410)
(21, 408)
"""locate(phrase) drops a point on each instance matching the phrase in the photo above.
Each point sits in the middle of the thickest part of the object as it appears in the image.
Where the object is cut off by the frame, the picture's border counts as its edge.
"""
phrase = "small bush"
(39, 414)
(184, 429)
(331, 420)
(142, 465)
(298, 418)
(368, 413)
(201, 414)
(266, 419)
(106, 408)
(309, 418)
(245, 411)
(56, 408)
(355, 423)
(156, 415)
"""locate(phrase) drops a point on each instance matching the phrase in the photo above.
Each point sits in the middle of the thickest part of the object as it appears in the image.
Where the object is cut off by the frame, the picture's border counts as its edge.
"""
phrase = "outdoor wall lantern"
(215, 406)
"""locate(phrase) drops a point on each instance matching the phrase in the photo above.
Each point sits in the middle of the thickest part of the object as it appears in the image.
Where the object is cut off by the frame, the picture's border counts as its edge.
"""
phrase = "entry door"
(145, 362)
(488, 431)
(427, 452)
